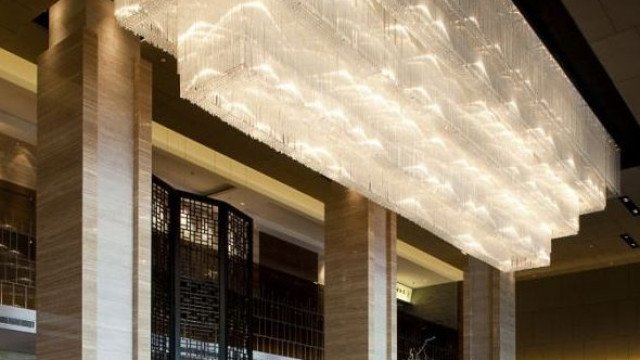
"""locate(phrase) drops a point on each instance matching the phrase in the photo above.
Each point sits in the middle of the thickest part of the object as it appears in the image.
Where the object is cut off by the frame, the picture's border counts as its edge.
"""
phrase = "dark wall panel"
(289, 258)
(586, 315)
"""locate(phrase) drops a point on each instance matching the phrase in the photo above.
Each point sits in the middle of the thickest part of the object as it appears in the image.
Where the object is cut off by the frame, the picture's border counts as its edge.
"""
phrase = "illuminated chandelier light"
(451, 113)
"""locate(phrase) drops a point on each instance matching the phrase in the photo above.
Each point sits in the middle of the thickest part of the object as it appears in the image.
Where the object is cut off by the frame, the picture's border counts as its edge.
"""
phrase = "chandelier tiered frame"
(451, 113)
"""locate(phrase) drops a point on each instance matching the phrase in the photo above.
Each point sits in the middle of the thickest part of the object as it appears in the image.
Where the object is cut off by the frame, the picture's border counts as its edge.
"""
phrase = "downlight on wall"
(450, 113)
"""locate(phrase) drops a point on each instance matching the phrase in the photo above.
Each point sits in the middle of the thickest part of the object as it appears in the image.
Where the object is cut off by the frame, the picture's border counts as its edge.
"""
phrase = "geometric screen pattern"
(202, 277)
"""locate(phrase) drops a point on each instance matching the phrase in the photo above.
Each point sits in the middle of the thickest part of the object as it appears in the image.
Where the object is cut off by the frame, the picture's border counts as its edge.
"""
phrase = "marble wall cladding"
(504, 319)
(360, 275)
(93, 188)
(488, 324)
(65, 328)
(142, 172)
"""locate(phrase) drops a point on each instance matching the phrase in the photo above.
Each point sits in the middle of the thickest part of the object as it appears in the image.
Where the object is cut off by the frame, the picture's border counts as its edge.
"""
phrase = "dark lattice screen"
(199, 282)
(288, 317)
(17, 245)
(289, 321)
(160, 291)
(238, 273)
(202, 278)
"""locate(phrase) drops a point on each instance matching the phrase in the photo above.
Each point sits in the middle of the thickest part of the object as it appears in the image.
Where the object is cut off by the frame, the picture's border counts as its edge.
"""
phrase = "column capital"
(67, 17)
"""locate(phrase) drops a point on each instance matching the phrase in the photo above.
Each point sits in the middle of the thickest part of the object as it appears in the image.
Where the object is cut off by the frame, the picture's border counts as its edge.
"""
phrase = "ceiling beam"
(18, 71)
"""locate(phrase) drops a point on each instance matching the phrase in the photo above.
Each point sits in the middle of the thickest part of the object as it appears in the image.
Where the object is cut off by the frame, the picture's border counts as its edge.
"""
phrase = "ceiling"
(557, 28)
(599, 55)
(270, 217)
(612, 29)
(415, 276)
(184, 176)
(18, 33)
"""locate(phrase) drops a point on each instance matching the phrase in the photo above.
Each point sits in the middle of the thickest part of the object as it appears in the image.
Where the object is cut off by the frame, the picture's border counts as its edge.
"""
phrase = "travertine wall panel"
(488, 313)
(94, 158)
(360, 276)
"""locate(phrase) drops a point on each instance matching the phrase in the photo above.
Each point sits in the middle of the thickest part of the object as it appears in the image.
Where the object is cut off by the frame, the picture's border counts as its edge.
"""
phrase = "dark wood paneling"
(288, 258)
(587, 315)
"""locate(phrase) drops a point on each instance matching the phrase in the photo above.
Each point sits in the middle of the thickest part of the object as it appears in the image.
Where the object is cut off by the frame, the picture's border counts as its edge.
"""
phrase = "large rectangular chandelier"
(449, 112)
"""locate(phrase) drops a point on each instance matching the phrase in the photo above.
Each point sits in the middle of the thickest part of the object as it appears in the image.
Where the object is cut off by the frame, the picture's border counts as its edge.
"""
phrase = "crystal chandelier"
(449, 112)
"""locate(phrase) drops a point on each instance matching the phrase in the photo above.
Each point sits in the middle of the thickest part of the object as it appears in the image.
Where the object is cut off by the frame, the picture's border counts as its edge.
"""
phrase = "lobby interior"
(136, 224)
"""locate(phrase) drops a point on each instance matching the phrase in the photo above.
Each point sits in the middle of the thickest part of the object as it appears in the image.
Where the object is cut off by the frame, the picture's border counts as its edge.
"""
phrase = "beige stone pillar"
(360, 275)
(94, 187)
(488, 313)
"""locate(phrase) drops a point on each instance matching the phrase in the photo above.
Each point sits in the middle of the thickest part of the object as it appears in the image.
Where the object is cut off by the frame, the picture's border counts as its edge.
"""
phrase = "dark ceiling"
(558, 30)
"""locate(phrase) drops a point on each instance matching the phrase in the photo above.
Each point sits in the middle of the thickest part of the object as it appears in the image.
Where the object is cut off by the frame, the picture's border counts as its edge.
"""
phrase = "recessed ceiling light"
(630, 205)
(629, 240)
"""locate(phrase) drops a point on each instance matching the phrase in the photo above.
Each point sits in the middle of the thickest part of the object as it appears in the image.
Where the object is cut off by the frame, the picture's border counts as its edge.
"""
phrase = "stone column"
(360, 275)
(321, 268)
(488, 313)
(94, 188)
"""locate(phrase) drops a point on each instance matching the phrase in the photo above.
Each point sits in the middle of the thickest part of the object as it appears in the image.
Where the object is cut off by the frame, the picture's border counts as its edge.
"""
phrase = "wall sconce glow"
(451, 113)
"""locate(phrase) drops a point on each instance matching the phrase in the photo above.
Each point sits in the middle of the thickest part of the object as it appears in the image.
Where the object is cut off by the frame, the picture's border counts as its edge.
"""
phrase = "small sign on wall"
(17, 319)
(403, 292)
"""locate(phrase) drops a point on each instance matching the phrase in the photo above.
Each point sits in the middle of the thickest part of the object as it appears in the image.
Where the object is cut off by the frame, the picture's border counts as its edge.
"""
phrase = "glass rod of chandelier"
(451, 113)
